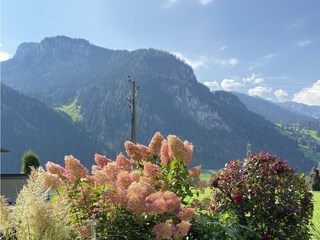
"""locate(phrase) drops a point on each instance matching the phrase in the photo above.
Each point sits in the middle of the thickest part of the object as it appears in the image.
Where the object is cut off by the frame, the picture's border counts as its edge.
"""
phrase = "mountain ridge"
(170, 100)
(269, 110)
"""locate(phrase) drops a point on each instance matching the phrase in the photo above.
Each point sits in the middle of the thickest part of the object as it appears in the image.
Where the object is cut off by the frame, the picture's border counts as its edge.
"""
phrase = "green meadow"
(316, 215)
(73, 110)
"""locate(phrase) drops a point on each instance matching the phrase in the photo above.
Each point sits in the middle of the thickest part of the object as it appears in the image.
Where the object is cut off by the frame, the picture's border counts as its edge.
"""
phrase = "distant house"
(11, 184)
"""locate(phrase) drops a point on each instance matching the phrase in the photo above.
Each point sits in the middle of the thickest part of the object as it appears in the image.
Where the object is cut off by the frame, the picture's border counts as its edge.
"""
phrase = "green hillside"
(306, 134)
(73, 110)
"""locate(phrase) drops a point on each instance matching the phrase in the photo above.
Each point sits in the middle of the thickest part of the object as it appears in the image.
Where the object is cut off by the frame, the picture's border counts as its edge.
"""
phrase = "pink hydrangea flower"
(151, 170)
(122, 163)
(136, 195)
(144, 151)
(123, 180)
(176, 148)
(163, 202)
(121, 197)
(147, 180)
(182, 229)
(188, 152)
(135, 175)
(101, 160)
(55, 168)
(186, 214)
(74, 169)
(164, 152)
(52, 181)
(133, 151)
(163, 230)
(99, 176)
(195, 172)
(156, 203)
(111, 172)
(156, 142)
(173, 201)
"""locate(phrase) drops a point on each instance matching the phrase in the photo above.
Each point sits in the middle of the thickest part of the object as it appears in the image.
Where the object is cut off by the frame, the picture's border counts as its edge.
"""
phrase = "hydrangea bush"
(265, 193)
(146, 196)
(151, 194)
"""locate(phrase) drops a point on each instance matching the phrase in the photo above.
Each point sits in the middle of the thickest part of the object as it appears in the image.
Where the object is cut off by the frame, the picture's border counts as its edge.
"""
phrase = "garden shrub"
(29, 159)
(266, 194)
(148, 196)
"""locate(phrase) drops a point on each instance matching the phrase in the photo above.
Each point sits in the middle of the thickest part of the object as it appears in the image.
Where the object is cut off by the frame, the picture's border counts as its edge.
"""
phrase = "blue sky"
(267, 48)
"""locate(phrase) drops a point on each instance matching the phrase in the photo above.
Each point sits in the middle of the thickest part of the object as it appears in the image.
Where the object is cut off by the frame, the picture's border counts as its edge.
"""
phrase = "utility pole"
(248, 149)
(132, 106)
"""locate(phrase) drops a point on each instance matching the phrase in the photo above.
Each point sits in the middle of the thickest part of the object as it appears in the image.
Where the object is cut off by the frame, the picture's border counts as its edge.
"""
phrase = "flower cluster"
(265, 192)
(167, 230)
(151, 185)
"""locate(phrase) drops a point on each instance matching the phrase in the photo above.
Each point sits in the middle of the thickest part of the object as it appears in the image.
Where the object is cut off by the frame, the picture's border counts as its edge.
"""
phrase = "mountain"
(61, 70)
(311, 111)
(26, 123)
(271, 111)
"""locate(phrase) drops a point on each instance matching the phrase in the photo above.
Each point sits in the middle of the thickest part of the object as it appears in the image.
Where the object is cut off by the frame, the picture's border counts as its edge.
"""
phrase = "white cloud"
(253, 79)
(222, 48)
(195, 64)
(303, 43)
(261, 61)
(296, 24)
(228, 84)
(4, 56)
(226, 62)
(309, 96)
(205, 2)
(259, 91)
(281, 95)
(171, 3)
(212, 85)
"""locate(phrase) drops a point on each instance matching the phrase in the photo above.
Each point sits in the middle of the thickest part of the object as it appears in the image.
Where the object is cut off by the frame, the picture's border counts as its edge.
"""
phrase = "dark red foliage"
(264, 191)
(237, 198)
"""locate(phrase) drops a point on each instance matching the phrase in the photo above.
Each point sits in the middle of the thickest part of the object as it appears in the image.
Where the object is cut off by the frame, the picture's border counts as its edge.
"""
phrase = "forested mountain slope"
(59, 70)
(27, 123)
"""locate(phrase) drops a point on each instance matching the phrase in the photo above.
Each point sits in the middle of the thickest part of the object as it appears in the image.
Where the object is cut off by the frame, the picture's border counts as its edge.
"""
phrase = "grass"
(73, 110)
(206, 174)
(316, 215)
(311, 133)
(310, 154)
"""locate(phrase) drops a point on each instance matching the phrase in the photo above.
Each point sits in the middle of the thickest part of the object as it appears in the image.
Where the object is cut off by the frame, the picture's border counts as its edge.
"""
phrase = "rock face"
(59, 70)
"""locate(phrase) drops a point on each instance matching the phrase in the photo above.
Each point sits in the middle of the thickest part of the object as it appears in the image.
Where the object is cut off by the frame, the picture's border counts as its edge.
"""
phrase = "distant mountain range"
(26, 123)
(299, 108)
(278, 112)
(60, 71)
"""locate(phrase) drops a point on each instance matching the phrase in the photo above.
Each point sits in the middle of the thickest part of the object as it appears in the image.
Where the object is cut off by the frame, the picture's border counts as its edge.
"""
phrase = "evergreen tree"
(30, 159)
(314, 179)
